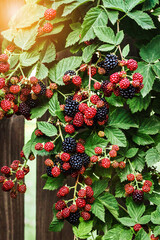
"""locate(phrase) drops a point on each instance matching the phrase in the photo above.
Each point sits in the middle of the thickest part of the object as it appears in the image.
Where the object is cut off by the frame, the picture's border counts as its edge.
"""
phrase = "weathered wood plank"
(11, 210)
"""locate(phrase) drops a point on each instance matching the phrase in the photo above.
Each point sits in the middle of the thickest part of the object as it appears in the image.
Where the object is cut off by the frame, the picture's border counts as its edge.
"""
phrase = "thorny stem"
(119, 47)
(89, 86)
(122, 207)
(13, 72)
(61, 94)
(60, 133)
(75, 188)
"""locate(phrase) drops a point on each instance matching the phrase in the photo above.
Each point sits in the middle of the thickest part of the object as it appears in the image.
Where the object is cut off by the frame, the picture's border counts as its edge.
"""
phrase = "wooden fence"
(12, 210)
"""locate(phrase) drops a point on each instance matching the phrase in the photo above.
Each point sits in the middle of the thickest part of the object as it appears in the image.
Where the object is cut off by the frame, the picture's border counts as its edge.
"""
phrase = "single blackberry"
(128, 93)
(104, 88)
(100, 64)
(76, 161)
(110, 62)
(69, 99)
(43, 88)
(71, 108)
(65, 172)
(24, 109)
(137, 196)
(74, 218)
(70, 73)
(49, 171)
(101, 113)
(85, 159)
(32, 103)
(69, 145)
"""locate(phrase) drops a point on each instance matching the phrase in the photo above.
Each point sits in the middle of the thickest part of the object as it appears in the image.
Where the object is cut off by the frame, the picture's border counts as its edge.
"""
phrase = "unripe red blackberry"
(49, 146)
(33, 80)
(137, 77)
(31, 157)
(3, 58)
(89, 192)
(132, 65)
(80, 148)
(90, 112)
(122, 165)
(15, 89)
(59, 215)
(146, 188)
(6, 105)
(85, 215)
(7, 185)
(115, 147)
(82, 193)
(124, 83)
(112, 153)
(21, 188)
(56, 171)
(83, 67)
(139, 177)
(39, 146)
(105, 162)
(38, 133)
(137, 227)
(5, 170)
(73, 208)
(97, 86)
(69, 128)
(66, 166)
(65, 157)
(20, 174)
(63, 191)
(94, 159)
(94, 99)
(130, 177)
(90, 200)
(50, 14)
(129, 189)
(2, 179)
(92, 70)
(60, 205)
(49, 163)
(148, 183)
(154, 238)
(47, 28)
(76, 80)
(78, 119)
(15, 165)
(98, 150)
(2, 83)
(87, 207)
(88, 181)
(26, 170)
(115, 164)
(80, 202)
(49, 93)
(53, 86)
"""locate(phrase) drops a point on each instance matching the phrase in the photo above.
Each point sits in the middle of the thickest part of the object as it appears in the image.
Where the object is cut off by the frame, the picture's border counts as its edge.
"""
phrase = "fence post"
(11, 210)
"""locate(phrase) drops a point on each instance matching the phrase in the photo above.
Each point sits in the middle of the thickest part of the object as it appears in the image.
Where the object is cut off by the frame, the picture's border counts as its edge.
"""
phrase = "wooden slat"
(45, 200)
(11, 210)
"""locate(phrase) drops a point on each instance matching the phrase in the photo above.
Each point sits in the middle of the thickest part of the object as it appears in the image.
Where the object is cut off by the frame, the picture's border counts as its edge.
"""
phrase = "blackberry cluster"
(104, 88)
(85, 159)
(101, 113)
(128, 93)
(70, 73)
(74, 218)
(76, 161)
(49, 171)
(69, 145)
(138, 196)
(24, 109)
(43, 88)
(71, 108)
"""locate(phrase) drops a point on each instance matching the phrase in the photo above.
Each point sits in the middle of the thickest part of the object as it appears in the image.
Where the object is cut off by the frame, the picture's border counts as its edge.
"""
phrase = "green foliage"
(47, 128)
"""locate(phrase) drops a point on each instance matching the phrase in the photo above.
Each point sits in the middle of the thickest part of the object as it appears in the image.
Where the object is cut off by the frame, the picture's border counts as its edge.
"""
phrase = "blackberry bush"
(104, 125)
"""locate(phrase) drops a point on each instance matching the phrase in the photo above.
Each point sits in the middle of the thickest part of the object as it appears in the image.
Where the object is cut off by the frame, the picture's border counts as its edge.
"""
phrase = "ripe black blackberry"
(74, 218)
(49, 171)
(76, 162)
(100, 64)
(69, 145)
(70, 98)
(101, 113)
(32, 103)
(43, 88)
(24, 109)
(85, 159)
(70, 73)
(71, 108)
(128, 93)
(137, 196)
(106, 92)
(110, 62)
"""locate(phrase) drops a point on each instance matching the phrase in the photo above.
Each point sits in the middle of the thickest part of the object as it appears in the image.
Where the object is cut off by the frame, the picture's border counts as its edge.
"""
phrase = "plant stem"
(61, 94)
(75, 188)
(119, 47)
(89, 86)
(122, 207)
(60, 133)
(98, 2)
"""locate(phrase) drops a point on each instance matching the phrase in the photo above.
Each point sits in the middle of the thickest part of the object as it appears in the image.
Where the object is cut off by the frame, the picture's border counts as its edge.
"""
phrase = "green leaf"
(54, 183)
(56, 224)
(149, 4)
(121, 118)
(98, 210)
(106, 47)
(54, 107)
(139, 161)
(39, 111)
(157, 231)
(25, 38)
(149, 52)
(71, 7)
(115, 4)
(156, 69)
(48, 53)
(154, 198)
(56, 29)
(119, 37)
(47, 128)
(105, 34)
(125, 51)
(29, 58)
(73, 37)
(57, 71)
(118, 233)
(9, 34)
(138, 103)
(135, 211)
(131, 4)
(120, 192)
(27, 147)
(13, 60)
(42, 71)
(95, 17)
(99, 187)
(152, 157)
(27, 15)
(145, 219)
(142, 235)
(142, 139)
(115, 136)
(150, 126)
(115, 101)
(131, 152)
(142, 19)
(126, 221)
(124, 172)
(156, 12)
(112, 15)
(83, 229)
(88, 53)
(94, 141)
(110, 202)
